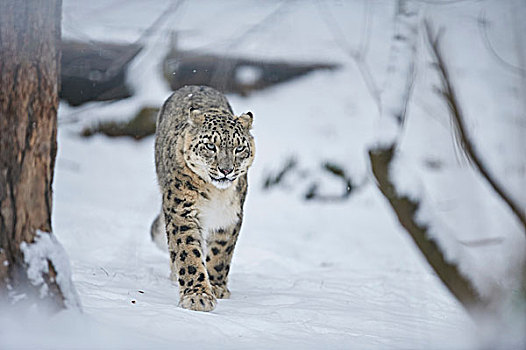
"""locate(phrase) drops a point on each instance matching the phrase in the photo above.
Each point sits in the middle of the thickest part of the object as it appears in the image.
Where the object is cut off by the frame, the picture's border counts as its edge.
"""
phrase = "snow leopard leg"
(184, 243)
(221, 245)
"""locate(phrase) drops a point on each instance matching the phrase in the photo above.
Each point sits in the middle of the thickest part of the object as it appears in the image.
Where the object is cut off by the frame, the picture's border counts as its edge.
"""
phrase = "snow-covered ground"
(307, 274)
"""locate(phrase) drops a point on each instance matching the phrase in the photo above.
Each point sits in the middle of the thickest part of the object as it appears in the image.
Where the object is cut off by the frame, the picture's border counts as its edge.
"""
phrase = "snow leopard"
(202, 155)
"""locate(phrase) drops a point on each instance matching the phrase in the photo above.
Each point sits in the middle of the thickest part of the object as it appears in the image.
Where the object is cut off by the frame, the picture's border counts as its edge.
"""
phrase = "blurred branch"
(273, 180)
(172, 8)
(232, 42)
(119, 62)
(358, 56)
(96, 71)
(444, 2)
(152, 28)
(458, 121)
(366, 30)
(483, 28)
(482, 242)
(221, 73)
(339, 172)
(291, 174)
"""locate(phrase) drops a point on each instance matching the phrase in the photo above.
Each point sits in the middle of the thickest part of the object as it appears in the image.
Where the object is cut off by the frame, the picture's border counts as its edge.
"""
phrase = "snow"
(37, 255)
(305, 274)
(247, 75)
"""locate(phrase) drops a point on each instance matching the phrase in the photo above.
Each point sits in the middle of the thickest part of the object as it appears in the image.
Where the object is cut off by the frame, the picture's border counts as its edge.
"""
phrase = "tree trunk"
(29, 71)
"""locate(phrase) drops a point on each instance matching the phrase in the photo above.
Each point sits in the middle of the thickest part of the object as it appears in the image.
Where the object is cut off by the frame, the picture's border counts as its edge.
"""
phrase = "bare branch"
(232, 42)
(358, 56)
(458, 120)
(366, 30)
(171, 9)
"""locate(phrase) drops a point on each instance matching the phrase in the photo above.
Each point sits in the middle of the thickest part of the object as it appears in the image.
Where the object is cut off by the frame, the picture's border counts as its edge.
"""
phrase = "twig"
(483, 28)
(458, 120)
(172, 8)
(482, 242)
(116, 66)
(233, 42)
(104, 270)
(358, 56)
(220, 74)
(366, 30)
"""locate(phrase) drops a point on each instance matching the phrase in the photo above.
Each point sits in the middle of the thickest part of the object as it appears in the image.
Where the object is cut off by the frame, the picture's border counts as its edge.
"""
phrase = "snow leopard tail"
(158, 233)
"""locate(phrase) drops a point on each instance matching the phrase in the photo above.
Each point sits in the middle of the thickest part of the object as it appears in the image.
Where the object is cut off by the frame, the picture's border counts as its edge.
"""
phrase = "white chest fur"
(220, 211)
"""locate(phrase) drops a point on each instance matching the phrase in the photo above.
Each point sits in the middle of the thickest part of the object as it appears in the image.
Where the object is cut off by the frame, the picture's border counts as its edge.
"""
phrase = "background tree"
(31, 259)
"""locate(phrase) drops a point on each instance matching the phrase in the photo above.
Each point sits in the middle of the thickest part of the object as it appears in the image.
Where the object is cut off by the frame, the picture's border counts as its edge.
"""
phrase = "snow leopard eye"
(240, 149)
(210, 146)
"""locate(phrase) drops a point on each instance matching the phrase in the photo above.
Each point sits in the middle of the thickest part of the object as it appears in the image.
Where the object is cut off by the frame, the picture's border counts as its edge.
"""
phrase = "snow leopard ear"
(246, 120)
(195, 116)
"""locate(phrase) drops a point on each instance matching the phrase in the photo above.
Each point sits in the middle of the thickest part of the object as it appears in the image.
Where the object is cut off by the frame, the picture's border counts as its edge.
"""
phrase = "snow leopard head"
(219, 147)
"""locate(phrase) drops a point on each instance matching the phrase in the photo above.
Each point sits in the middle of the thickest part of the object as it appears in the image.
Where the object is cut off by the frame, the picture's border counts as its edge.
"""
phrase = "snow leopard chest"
(220, 211)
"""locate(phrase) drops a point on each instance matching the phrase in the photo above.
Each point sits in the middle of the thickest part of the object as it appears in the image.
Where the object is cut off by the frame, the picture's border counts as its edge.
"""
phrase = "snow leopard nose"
(225, 171)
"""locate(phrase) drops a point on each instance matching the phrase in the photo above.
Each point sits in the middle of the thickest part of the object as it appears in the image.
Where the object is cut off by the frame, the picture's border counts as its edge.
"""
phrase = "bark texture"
(29, 71)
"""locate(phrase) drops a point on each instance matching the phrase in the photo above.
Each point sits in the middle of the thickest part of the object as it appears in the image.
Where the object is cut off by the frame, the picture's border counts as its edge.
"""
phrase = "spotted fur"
(202, 155)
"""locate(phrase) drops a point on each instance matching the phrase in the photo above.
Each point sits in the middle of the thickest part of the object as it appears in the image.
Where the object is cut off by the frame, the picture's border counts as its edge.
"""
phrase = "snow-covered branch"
(400, 74)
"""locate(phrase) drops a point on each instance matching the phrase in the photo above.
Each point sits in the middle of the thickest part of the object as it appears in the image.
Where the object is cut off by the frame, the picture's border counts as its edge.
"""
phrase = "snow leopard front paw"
(199, 301)
(221, 292)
